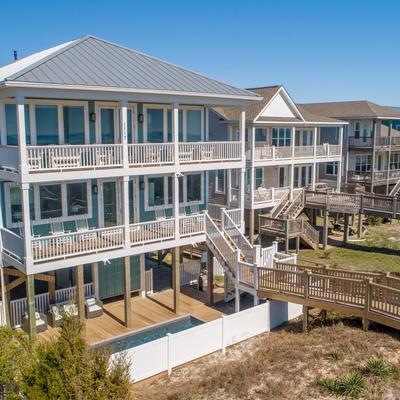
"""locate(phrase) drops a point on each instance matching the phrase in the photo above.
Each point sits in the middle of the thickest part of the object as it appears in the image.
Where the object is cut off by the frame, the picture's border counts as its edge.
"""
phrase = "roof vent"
(15, 55)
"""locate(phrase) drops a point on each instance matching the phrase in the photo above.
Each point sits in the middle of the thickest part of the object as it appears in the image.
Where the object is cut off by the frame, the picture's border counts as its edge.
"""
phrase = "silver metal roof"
(94, 62)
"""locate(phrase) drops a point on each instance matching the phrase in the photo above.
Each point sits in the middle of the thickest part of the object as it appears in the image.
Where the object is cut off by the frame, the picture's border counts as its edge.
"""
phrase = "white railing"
(150, 153)
(148, 281)
(270, 195)
(152, 231)
(19, 306)
(235, 215)
(71, 244)
(214, 211)
(65, 157)
(9, 158)
(272, 153)
(12, 244)
(189, 271)
(191, 225)
(267, 255)
(210, 151)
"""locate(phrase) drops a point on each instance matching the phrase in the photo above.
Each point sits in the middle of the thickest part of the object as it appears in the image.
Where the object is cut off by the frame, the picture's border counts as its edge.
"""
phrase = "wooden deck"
(146, 311)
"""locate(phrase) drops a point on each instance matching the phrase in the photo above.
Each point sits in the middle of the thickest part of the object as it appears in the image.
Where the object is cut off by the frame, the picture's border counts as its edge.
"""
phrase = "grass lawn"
(379, 251)
(288, 365)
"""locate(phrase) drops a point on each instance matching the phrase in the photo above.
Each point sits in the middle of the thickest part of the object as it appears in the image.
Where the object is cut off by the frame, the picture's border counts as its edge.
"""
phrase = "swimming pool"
(133, 339)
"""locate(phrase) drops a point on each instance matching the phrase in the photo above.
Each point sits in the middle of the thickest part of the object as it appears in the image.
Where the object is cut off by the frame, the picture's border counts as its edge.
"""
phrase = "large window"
(107, 125)
(11, 124)
(50, 201)
(331, 168)
(258, 173)
(155, 125)
(155, 190)
(74, 124)
(261, 135)
(15, 201)
(193, 125)
(77, 201)
(46, 124)
(395, 161)
(220, 181)
(363, 163)
(281, 137)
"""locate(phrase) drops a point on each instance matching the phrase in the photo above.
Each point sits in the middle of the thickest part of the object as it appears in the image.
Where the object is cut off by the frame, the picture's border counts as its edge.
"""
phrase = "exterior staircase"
(396, 190)
(309, 235)
(289, 209)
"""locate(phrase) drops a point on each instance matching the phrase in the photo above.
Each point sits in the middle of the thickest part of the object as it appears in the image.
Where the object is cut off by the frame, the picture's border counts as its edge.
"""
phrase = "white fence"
(189, 271)
(19, 306)
(164, 354)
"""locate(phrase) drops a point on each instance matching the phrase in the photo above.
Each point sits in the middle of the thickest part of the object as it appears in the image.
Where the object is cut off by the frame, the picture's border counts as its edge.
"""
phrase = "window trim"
(36, 202)
(166, 205)
(335, 167)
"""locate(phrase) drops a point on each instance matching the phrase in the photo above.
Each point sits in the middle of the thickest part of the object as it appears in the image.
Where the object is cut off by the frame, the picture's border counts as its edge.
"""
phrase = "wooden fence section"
(372, 296)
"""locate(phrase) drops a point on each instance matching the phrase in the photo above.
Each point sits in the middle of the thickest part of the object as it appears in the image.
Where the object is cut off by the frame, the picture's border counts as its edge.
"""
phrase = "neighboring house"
(287, 147)
(104, 157)
(371, 145)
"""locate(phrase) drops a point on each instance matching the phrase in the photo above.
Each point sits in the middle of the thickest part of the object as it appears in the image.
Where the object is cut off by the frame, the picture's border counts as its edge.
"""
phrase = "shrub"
(378, 367)
(374, 220)
(335, 355)
(352, 385)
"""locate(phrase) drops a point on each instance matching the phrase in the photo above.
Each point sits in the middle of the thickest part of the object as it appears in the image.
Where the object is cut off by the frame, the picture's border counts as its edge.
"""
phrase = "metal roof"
(94, 62)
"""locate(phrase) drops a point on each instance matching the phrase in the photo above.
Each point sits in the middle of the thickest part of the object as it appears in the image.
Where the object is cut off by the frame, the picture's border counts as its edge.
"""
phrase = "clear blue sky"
(320, 50)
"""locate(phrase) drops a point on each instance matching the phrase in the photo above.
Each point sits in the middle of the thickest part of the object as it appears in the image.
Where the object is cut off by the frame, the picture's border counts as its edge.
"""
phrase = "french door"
(110, 211)
(302, 176)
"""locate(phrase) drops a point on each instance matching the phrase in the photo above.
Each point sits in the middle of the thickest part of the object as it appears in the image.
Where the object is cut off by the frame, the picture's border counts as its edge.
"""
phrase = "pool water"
(149, 334)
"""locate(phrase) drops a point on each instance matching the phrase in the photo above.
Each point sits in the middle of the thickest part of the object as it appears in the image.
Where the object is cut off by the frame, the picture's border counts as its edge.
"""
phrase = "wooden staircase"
(396, 190)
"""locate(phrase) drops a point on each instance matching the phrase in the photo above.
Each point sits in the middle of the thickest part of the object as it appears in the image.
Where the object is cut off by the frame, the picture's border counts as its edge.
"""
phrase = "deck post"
(52, 288)
(95, 279)
(359, 227)
(287, 236)
(346, 228)
(176, 280)
(127, 292)
(365, 320)
(237, 299)
(251, 226)
(297, 244)
(305, 319)
(30, 298)
(325, 230)
(210, 278)
(80, 293)
(5, 298)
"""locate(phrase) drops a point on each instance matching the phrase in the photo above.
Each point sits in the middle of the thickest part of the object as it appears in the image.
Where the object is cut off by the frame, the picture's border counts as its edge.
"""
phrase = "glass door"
(108, 126)
(109, 207)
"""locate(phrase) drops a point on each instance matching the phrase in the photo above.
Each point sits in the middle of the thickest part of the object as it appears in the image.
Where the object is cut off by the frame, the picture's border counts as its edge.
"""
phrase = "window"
(74, 124)
(193, 188)
(258, 177)
(11, 124)
(261, 135)
(107, 125)
(155, 191)
(15, 200)
(220, 181)
(50, 201)
(130, 126)
(46, 124)
(282, 177)
(193, 125)
(281, 137)
(395, 161)
(155, 125)
(357, 130)
(304, 137)
(77, 201)
(363, 163)
(331, 168)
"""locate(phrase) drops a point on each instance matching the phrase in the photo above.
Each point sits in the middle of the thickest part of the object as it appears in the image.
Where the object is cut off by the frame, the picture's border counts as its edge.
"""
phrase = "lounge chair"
(70, 309)
(40, 322)
(54, 316)
(93, 308)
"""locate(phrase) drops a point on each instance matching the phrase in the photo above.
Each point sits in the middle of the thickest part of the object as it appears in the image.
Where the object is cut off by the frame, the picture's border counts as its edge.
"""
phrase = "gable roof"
(254, 109)
(352, 109)
(97, 63)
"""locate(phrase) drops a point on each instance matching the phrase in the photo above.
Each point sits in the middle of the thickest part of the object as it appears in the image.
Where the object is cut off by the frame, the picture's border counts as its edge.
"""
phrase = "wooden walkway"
(374, 297)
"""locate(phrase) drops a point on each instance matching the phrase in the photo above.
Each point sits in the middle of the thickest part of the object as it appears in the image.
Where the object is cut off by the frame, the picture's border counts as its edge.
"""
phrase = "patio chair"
(40, 323)
(70, 309)
(57, 228)
(93, 308)
(54, 316)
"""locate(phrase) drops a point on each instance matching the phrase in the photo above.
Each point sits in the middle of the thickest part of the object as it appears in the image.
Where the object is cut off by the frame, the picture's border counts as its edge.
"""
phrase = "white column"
(207, 138)
(242, 134)
(20, 105)
(95, 280)
(228, 187)
(292, 163)
(314, 175)
(175, 201)
(252, 138)
(315, 141)
(26, 225)
(124, 133)
(175, 131)
(340, 163)
(125, 210)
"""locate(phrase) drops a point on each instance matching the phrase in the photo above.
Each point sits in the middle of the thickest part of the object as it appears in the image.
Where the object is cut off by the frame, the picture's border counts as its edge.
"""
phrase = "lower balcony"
(103, 243)
(380, 177)
(266, 197)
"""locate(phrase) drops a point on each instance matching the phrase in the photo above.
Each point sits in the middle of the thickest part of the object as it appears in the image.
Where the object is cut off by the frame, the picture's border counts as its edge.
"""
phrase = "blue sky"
(320, 50)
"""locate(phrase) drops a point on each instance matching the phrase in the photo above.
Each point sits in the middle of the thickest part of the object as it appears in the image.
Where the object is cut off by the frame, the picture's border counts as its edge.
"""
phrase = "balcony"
(103, 240)
(367, 142)
(63, 158)
(264, 197)
(379, 176)
(274, 153)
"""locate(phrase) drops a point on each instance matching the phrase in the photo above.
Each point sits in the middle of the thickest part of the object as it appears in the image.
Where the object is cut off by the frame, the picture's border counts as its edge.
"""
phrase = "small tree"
(69, 369)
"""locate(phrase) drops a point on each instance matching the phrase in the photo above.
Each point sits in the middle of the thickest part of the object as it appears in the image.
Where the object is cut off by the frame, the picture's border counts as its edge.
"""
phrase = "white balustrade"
(209, 151)
(191, 225)
(150, 153)
(153, 231)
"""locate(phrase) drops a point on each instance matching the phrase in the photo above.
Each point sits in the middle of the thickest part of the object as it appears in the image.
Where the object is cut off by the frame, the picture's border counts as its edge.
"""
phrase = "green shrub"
(378, 367)
(352, 385)
(335, 355)
(374, 220)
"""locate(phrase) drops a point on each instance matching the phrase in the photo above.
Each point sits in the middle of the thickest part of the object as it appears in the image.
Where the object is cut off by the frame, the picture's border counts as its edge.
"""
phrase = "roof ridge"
(264, 87)
(23, 71)
(157, 59)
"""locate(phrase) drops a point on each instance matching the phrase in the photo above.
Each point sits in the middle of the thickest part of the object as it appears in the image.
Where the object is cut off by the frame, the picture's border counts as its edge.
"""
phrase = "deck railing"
(12, 244)
(9, 158)
(150, 153)
(191, 225)
(66, 157)
(152, 231)
(210, 151)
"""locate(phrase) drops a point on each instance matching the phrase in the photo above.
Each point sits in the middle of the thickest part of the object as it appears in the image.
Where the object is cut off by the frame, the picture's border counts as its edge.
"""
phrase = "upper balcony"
(267, 154)
(380, 142)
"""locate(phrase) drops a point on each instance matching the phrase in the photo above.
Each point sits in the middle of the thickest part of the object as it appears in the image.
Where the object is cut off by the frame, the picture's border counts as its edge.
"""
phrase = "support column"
(251, 225)
(5, 309)
(389, 156)
(325, 230)
(340, 163)
(305, 319)
(142, 266)
(80, 292)
(30, 298)
(226, 286)
(242, 135)
(237, 299)
(346, 228)
(291, 181)
(125, 210)
(297, 244)
(210, 278)
(242, 189)
(287, 237)
(373, 156)
(52, 288)
(176, 281)
(26, 225)
(124, 133)
(127, 292)
(359, 227)
(314, 175)
(95, 280)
